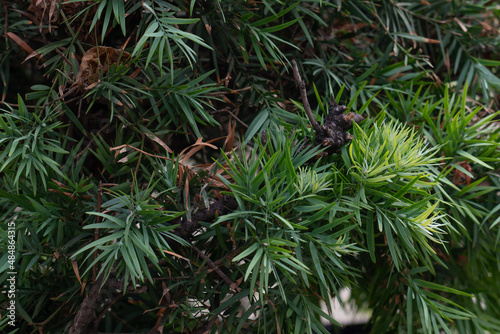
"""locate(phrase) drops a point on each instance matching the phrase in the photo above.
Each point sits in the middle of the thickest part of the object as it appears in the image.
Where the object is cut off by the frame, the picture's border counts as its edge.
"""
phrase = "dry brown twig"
(333, 133)
(303, 95)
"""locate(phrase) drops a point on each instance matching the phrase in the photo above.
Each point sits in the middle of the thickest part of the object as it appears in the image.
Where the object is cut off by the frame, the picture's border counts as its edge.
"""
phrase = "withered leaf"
(95, 62)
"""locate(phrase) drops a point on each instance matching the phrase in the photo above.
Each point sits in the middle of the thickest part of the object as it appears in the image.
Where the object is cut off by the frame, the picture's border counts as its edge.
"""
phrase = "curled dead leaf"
(96, 62)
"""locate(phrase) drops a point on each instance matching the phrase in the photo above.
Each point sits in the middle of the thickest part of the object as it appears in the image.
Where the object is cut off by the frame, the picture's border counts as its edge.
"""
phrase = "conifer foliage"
(175, 166)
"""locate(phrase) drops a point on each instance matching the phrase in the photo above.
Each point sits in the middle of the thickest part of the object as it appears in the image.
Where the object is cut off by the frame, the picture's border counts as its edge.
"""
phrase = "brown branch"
(236, 118)
(205, 328)
(220, 207)
(332, 134)
(82, 324)
(228, 110)
(105, 310)
(96, 232)
(17, 105)
(305, 102)
(160, 322)
(86, 320)
(77, 157)
(230, 91)
(116, 287)
(216, 269)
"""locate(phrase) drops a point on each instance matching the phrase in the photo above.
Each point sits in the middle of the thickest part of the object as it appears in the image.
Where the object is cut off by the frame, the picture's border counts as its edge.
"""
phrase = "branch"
(86, 321)
(205, 328)
(96, 232)
(220, 207)
(82, 324)
(305, 102)
(216, 269)
(333, 133)
(160, 322)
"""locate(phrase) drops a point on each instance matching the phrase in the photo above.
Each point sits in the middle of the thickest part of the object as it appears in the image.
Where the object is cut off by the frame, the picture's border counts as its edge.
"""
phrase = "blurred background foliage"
(122, 122)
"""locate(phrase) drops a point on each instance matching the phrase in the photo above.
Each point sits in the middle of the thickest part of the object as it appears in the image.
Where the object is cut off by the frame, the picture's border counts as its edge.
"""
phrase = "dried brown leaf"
(96, 62)
(461, 24)
(191, 150)
(74, 264)
(177, 255)
(23, 45)
(154, 138)
(44, 13)
(229, 142)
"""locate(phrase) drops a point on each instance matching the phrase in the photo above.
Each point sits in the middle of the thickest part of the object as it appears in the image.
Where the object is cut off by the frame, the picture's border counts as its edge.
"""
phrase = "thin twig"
(17, 105)
(228, 110)
(231, 91)
(77, 157)
(63, 57)
(236, 118)
(305, 102)
(72, 32)
(96, 232)
(212, 266)
(138, 150)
